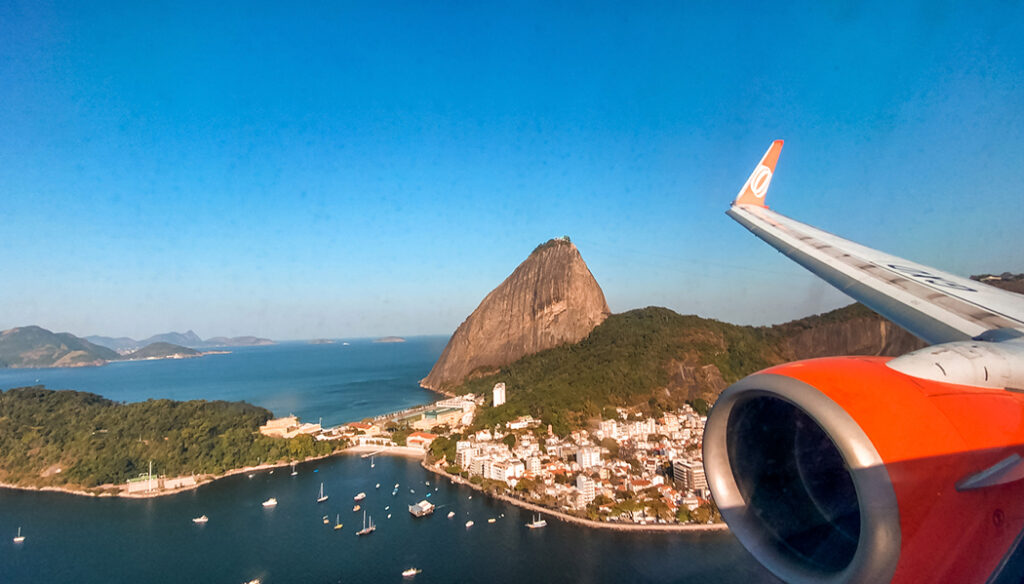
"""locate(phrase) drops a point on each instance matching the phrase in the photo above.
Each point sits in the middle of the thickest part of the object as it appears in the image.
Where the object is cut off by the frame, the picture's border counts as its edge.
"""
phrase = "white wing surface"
(936, 306)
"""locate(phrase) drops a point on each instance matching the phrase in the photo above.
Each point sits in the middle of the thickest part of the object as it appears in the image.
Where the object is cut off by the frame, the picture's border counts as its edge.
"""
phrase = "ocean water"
(339, 383)
(86, 540)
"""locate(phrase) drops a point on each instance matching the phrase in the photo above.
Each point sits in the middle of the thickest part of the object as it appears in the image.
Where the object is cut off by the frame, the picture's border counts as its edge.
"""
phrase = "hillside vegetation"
(94, 441)
(653, 358)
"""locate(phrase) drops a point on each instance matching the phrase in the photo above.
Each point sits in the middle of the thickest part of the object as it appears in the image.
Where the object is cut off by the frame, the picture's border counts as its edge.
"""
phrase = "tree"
(700, 406)
(509, 440)
(683, 515)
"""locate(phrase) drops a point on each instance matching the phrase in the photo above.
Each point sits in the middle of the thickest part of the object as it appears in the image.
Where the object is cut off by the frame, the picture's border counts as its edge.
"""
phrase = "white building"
(689, 475)
(499, 394)
(587, 488)
(588, 457)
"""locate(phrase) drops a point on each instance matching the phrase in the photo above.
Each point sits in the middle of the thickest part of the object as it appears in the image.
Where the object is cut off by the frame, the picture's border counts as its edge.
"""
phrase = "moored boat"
(271, 502)
(421, 509)
(200, 519)
(322, 496)
(537, 523)
(19, 538)
(359, 497)
(367, 528)
(410, 572)
(469, 523)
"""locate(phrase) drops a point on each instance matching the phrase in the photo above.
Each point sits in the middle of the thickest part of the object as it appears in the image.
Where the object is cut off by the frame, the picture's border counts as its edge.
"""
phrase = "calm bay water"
(85, 540)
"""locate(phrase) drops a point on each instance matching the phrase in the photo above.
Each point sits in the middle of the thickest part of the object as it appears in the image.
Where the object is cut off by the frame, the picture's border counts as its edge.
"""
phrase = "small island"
(82, 443)
(389, 340)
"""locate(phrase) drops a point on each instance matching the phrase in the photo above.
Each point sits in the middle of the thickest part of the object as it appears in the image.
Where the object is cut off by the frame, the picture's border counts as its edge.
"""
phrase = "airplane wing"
(931, 304)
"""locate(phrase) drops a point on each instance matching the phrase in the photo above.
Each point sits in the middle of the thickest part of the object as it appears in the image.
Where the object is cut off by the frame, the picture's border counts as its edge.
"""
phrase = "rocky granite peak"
(549, 300)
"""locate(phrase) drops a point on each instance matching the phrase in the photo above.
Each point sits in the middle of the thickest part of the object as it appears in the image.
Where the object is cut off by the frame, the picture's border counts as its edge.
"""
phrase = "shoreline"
(365, 451)
(112, 490)
(120, 491)
(650, 528)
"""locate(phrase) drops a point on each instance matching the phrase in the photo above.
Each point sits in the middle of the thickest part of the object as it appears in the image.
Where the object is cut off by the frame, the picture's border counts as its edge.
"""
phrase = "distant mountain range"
(125, 345)
(33, 346)
(161, 350)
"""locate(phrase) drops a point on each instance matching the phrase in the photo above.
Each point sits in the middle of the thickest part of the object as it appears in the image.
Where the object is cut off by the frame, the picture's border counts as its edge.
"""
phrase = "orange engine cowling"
(844, 470)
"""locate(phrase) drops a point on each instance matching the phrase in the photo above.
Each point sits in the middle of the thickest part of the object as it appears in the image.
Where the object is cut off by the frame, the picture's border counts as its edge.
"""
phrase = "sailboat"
(372, 464)
(537, 523)
(337, 522)
(367, 529)
(294, 472)
(19, 538)
(322, 496)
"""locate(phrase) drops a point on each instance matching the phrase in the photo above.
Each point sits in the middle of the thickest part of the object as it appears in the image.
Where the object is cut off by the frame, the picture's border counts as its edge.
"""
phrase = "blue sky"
(299, 170)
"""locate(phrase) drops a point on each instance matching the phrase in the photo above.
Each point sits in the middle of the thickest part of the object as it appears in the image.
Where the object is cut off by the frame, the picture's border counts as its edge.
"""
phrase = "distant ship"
(367, 529)
(537, 523)
(322, 496)
(200, 519)
(421, 509)
(271, 502)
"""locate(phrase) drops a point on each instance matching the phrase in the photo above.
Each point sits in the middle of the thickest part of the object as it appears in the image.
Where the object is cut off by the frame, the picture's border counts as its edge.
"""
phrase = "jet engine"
(844, 469)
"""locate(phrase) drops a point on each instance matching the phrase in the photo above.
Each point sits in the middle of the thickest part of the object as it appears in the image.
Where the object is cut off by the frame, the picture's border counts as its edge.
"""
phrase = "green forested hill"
(655, 358)
(95, 441)
(622, 362)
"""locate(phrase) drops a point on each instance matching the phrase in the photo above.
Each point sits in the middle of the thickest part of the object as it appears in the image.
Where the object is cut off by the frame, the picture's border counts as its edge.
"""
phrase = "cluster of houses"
(626, 460)
(629, 468)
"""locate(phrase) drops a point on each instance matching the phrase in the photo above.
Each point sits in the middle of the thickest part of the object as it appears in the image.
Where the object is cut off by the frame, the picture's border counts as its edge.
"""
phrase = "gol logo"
(759, 180)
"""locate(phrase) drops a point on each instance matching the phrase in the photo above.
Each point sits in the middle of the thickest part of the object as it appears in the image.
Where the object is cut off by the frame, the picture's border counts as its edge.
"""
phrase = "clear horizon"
(352, 171)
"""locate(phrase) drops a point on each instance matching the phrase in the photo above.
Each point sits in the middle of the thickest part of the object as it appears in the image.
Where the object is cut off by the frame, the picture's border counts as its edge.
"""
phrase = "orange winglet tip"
(756, 187)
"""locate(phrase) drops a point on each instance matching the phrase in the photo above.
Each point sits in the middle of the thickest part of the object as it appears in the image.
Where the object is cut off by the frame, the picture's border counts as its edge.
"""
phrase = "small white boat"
(491, 520)
(410, 572)
(451, 514)
(537, 523)
(200, 519)
(359, 497)
(19, 538)
(271, 502)
(469, 523)
(389, 516)
(326, 520)
(322, 496)
(412, 490)
(387, 507)
(294, 472)
(378, 486)
(396, 485)
(252, 475)
(254, 581)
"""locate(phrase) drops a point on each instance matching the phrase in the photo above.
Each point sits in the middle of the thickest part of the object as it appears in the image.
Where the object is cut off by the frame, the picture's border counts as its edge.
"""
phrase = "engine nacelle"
(845, 470)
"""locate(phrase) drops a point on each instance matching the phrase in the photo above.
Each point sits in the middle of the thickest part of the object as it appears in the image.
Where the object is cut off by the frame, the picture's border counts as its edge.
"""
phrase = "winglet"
(754, 189)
